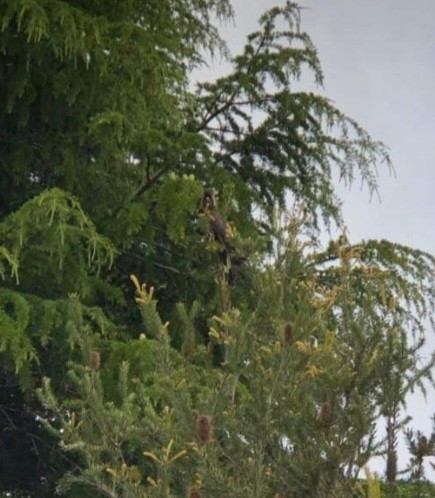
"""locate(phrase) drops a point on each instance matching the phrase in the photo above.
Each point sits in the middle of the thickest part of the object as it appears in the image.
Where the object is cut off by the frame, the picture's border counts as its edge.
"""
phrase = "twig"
(149, 182)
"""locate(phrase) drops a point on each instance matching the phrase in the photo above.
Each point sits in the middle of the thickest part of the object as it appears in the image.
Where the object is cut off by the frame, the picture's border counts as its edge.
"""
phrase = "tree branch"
(211, 115)
(149, 182)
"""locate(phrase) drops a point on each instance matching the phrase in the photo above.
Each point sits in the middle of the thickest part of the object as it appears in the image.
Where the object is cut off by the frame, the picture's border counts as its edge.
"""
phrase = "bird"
(218, 224)
(221, 232)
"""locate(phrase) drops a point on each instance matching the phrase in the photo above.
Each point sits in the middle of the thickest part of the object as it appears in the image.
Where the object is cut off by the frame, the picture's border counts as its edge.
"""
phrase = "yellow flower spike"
(193, 446)
(218, 319)
(266, 350)
(374, 356)
(151, 455)
(168, 448)
(167, 411)
(136, 283)
(179, 455)
(151, 481)
(112, 472)
(304, 347)
(312, 371)
(213, 333)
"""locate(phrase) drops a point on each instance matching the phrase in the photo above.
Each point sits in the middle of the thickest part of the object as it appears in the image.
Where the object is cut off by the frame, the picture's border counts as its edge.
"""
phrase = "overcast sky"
(378, 58)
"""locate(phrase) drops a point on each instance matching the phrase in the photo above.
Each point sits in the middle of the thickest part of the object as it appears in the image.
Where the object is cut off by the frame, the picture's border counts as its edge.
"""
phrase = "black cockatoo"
(218, 223)
(219, 228)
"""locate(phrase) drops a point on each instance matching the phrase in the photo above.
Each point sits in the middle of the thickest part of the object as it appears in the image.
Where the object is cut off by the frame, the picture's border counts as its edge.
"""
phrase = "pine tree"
(268, 383)
(292, 409)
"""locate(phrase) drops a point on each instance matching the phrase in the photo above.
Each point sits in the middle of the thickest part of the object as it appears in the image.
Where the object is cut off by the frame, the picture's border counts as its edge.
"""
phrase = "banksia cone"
(422, 447)
(325, 414)
(94, 360)
(194, 492)
(288, 333)
(204, 428)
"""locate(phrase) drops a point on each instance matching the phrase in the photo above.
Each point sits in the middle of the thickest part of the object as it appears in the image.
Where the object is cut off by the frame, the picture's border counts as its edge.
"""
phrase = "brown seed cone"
(194, 492)
(288, 333)
(325, 413)
(204, 428)
(94, 360)
(422, 447)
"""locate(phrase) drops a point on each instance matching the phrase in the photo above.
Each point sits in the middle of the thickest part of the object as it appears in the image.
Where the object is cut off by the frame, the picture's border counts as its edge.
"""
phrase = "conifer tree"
(420, 447)
(268, 383)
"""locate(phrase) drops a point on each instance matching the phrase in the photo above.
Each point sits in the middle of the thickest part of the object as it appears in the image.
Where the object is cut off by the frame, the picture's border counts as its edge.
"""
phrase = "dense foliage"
(155, 342)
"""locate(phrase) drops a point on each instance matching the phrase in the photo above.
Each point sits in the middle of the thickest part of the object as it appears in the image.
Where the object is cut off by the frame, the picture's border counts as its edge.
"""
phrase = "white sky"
(378, 58)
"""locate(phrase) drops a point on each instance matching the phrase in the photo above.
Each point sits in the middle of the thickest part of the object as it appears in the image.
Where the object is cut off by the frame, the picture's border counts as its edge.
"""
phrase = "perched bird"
(220, 231)
(218, 223)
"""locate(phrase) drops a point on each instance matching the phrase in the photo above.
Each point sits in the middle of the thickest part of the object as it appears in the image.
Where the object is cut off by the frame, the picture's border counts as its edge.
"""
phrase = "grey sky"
(379, 66)
(378, 59)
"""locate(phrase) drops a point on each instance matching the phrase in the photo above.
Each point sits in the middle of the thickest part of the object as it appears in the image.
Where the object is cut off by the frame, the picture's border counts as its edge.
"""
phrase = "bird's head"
(207, 203)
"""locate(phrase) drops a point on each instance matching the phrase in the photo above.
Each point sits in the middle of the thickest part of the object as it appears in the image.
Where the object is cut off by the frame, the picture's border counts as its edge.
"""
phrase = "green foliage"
(411, 490)
(260, 376)
(120, 421)
(316, 427)
(14, 318)
(420, 447)
(49, 231)
(7, 260)
(372, 488)
(55, 220)
(187, 319)
(71, 121)
(177, 203)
